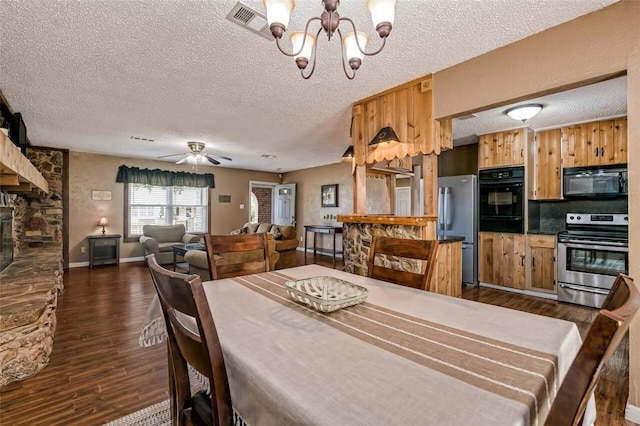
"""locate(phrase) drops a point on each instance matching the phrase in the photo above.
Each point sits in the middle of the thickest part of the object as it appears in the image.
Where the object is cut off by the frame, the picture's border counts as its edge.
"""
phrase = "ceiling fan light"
(351, 46)
(279, 11)
(297, 38)
(524, 112)
(382, 12)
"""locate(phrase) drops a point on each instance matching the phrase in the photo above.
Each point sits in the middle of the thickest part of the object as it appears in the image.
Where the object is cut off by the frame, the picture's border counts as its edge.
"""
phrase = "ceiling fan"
(197, 155)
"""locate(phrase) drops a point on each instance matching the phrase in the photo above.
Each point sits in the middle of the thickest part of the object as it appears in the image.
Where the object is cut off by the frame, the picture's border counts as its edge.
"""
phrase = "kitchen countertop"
(544, 231)
(444, 239)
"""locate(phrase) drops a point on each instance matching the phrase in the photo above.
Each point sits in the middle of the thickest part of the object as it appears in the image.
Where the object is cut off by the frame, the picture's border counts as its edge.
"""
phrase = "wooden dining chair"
(191, 338)
(235, 255)
(603, 338)
(389, 249)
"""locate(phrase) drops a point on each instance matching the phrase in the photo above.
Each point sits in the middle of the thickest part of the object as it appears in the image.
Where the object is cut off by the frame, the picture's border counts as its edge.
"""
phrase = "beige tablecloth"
(403, 357)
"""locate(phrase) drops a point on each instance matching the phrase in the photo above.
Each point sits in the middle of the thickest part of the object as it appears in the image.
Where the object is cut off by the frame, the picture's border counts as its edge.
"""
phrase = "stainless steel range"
(591, 253)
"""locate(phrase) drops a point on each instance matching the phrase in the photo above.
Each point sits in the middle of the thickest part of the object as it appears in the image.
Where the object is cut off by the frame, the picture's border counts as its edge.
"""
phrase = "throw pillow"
(263, 227)
(275, 230)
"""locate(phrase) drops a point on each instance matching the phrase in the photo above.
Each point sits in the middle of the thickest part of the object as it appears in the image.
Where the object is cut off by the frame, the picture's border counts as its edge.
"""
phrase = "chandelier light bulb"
(353, 43)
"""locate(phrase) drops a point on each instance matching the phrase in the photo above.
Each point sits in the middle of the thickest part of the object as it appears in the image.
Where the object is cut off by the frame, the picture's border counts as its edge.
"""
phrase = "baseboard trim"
(123, 260)
(525, 292)
(632, 413)
(324, 252)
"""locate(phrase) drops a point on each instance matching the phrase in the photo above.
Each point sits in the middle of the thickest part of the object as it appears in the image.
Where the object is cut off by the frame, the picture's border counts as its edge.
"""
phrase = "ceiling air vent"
(250, 19)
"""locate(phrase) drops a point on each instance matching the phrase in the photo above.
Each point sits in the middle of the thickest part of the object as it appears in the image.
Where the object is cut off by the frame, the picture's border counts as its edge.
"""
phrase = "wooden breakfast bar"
(356, 241)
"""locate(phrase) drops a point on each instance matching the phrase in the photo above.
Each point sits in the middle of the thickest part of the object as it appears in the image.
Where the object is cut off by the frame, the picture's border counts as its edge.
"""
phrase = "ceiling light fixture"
(386, 134)
(524, 112)
(353, 44)
(348, 154)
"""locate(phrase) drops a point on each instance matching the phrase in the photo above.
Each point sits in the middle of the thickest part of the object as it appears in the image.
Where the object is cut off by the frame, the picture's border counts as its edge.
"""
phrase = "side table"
(104, 249)
(321, 229)
(182, 249)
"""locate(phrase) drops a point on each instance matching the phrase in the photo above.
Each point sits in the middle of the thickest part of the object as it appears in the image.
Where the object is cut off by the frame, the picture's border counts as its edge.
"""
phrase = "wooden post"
(359, 190)
(430, 177)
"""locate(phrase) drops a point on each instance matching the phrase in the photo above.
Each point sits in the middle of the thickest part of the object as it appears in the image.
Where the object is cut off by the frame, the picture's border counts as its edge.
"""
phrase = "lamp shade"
(297, 38)
(351, 46)
(524, 112)
(348, 154)
(103, 221)
(279, 11)
(381, 11)
(386, 134)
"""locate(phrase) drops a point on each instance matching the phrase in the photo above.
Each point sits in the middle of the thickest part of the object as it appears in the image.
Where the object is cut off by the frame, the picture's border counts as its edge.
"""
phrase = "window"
(166, 205)
(254, 209)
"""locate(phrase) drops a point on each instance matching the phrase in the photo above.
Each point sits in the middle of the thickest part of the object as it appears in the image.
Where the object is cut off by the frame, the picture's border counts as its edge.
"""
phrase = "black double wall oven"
(502, 197)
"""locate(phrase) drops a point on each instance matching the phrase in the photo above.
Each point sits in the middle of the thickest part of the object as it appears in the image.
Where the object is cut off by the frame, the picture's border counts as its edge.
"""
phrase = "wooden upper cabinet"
(596, 143)
(544, 166)
(502, 148)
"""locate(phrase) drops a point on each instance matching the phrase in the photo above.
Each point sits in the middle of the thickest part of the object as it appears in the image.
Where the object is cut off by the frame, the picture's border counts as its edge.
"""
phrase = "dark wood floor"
(98, 372)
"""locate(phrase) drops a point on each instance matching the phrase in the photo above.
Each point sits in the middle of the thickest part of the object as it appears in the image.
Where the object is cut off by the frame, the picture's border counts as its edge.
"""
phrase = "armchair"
(160, 239)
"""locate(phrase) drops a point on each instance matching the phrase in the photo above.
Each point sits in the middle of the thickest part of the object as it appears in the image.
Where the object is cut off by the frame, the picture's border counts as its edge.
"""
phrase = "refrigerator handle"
(441, 208)
(447, 207)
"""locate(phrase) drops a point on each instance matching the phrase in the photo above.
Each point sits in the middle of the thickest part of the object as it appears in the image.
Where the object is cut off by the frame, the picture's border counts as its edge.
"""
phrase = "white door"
(284, 210)
(403, 201)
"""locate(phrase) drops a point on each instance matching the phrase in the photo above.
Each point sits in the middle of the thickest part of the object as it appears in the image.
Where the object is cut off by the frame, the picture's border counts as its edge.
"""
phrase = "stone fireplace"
(31, 284)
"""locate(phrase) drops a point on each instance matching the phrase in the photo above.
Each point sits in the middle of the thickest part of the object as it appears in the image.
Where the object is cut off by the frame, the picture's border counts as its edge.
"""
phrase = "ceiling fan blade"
(212, 160)
(221, 156)
(182, 160)
(171, 155)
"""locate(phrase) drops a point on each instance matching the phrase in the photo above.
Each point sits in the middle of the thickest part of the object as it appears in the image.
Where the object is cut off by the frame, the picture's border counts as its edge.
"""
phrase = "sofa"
(284, 236)
(160, 239)
(199, 264)
(282, 244)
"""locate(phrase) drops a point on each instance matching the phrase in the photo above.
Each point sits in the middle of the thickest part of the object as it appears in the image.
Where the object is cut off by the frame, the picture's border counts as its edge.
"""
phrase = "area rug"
(155, 415)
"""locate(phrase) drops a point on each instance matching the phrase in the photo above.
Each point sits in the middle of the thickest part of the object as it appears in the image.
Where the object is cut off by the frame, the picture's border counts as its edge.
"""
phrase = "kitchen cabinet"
(503, 148)
(595, 143)
(502, 259)
(544, 166)
(542, 262)
(447, 275)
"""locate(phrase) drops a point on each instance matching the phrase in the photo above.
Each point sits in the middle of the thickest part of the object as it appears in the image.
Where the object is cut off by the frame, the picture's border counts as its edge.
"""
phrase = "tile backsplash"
(549, 216)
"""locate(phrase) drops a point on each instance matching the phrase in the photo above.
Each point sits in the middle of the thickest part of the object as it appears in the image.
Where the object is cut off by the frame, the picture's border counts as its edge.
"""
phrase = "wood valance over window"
(159, 177)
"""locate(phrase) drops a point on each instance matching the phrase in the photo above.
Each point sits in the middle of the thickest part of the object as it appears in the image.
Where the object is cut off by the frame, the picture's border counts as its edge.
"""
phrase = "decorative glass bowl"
(326, 294)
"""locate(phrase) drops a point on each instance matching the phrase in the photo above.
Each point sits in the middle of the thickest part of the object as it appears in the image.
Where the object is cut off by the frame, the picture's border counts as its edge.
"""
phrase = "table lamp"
(103, 222)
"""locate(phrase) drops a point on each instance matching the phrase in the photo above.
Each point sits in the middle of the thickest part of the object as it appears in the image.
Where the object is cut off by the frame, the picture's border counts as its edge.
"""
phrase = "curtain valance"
(159, 177)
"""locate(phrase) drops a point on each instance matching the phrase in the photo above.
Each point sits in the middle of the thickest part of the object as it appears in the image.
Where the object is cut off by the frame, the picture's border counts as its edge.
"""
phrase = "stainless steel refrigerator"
(458, 216)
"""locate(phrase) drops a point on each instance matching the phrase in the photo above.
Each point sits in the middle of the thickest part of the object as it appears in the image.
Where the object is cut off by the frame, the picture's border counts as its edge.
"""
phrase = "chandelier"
(353, 44)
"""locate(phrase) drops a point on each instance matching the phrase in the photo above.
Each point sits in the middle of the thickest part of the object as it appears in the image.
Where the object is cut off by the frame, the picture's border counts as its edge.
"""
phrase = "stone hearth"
(29, 290)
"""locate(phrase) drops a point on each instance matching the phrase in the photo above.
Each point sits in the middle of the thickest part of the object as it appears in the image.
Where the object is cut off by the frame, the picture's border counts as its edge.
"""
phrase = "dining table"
(402, 356)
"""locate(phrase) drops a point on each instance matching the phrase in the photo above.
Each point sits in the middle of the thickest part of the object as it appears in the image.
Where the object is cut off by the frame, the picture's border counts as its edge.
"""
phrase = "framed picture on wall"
(329, 196)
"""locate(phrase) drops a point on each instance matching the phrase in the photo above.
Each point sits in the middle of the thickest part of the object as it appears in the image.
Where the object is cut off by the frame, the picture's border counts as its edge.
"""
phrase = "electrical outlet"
(300, 239)
(83, 249)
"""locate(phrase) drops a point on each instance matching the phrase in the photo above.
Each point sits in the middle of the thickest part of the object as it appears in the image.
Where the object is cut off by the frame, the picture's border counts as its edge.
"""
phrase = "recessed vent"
(250, 19)
(138, 138)
(466, 117)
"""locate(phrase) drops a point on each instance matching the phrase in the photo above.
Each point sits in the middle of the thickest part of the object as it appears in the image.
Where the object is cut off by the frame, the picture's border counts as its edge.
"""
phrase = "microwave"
(595, 181)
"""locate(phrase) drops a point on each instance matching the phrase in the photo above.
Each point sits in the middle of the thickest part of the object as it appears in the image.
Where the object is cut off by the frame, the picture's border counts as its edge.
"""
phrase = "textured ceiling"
(90, 75)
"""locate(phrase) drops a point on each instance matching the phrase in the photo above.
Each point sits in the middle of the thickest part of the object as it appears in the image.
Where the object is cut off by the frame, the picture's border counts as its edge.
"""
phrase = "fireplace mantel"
(17, 174)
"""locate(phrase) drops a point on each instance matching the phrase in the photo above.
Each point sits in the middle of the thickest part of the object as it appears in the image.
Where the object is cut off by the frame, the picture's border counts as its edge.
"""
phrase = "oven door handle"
(590, 245)
(585, 289)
